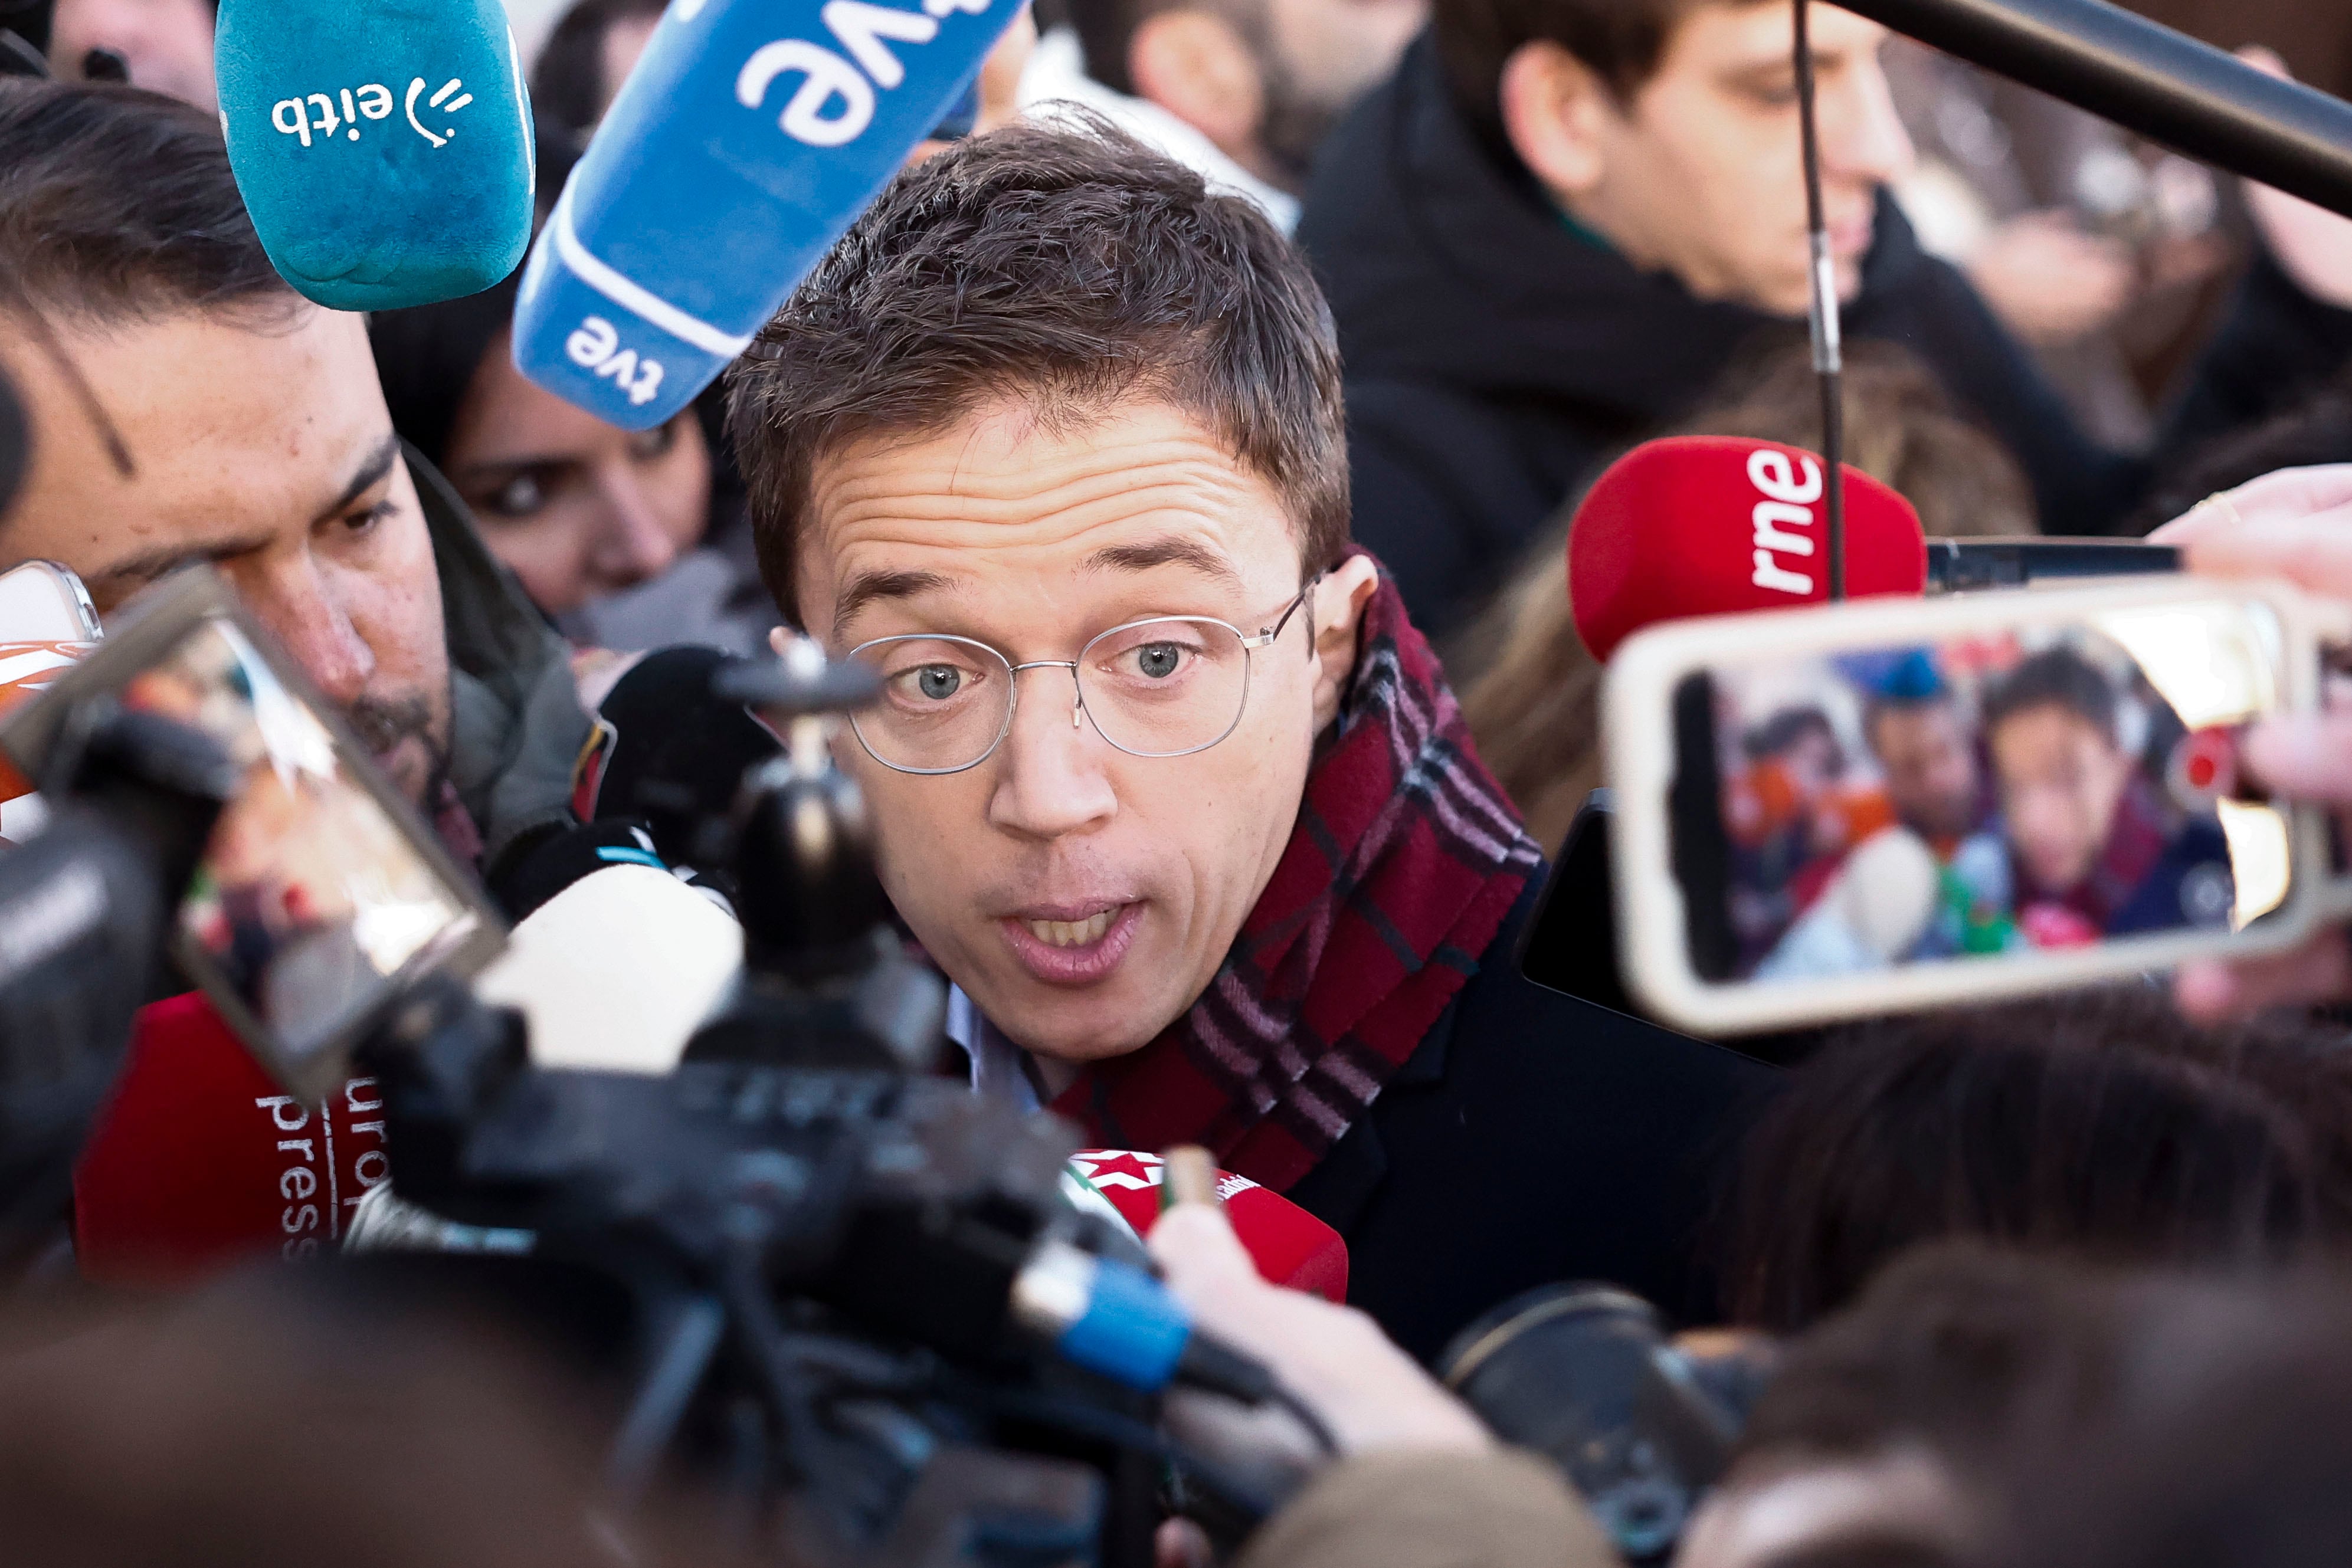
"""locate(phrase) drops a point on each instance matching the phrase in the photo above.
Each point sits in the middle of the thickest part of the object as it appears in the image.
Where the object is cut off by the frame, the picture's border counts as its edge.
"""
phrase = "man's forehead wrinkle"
(954, 489)
(888, 534)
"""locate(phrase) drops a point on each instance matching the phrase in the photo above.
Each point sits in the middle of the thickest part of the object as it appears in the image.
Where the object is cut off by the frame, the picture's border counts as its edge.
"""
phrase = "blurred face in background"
(1000, 84)
(169, 43)
(1322, 56)
(1266, 79)
(1700, 172)
(1813, 763)
(576, 507)
(1929, 761)
(2062, 777)
(623, 42)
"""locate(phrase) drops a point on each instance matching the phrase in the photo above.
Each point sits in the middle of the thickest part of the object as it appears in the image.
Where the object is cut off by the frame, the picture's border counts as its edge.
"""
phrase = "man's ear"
(1197, 67)
(1339, 600)
(1556, 113)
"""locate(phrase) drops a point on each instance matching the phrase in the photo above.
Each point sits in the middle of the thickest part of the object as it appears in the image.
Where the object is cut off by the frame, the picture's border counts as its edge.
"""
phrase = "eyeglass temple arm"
(1268, 638)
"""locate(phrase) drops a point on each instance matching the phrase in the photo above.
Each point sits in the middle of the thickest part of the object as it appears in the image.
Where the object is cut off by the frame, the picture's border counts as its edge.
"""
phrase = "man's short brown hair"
(1621, 41)
(1070, 267)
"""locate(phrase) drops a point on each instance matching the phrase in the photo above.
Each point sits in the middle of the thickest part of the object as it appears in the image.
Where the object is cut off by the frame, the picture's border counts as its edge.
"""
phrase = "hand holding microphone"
(1334, 1359)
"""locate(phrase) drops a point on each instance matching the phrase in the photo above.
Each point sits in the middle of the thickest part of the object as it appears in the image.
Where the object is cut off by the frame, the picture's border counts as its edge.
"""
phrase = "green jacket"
(516, 727)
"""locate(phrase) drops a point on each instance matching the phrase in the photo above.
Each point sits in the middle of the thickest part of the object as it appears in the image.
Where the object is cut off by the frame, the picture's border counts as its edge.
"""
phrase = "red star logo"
(1121, 1168)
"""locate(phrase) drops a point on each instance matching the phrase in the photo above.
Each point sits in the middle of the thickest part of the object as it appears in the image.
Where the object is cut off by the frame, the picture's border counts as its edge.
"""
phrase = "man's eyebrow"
(1170, 551)
(873, 587)
(365, 478)
(148, 566)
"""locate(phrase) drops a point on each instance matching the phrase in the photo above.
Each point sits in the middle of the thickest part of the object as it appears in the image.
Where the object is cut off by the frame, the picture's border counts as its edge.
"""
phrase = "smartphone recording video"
(1856, 811)
(320, 896)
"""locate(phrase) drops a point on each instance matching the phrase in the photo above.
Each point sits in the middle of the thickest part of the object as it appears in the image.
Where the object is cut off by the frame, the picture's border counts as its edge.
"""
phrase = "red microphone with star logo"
(1290, 1246)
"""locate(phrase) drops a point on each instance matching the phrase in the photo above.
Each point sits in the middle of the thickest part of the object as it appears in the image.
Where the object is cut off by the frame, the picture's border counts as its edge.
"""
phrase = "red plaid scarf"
(1406, 859)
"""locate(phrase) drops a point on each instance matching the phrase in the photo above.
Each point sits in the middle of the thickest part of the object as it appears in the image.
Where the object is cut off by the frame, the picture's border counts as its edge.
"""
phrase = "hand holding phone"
(2295, 526)
(1881, 806)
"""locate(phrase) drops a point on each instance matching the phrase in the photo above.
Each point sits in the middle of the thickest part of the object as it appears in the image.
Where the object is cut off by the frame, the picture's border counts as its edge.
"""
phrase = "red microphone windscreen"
(1712, 525)
(200, 1163)
(1290, 1246)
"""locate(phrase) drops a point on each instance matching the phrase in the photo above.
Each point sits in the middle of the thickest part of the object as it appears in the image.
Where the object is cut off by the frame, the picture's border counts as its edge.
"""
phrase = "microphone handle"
(1957, 566)
(2147, 79)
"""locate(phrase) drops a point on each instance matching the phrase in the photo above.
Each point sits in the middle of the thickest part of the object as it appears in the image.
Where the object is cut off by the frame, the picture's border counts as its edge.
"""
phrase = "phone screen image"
(2047, 788)
(311, 901)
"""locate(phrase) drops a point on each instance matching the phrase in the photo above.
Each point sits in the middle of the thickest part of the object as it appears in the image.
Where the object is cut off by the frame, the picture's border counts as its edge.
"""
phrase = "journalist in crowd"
(1163, 777)
(188, 406)
(1242, 92)
(192, 408)
(1560, 222)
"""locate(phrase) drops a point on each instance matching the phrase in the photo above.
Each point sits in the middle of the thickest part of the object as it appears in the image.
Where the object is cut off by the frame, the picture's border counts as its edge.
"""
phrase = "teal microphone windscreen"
(383, 146)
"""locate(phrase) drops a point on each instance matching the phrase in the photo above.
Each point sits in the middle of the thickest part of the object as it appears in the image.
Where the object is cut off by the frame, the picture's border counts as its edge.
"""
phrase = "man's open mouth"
(1073, 933)
(1072, 945)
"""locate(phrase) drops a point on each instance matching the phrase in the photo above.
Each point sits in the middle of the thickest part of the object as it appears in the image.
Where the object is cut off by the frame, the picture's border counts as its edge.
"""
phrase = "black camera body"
(822, 1239)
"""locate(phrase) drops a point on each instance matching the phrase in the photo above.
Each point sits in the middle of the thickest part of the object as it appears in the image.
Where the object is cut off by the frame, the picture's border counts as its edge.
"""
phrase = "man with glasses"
(1163, 778)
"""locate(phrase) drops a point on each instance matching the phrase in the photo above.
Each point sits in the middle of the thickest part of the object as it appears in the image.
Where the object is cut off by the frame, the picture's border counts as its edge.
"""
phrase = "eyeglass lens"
(1158, 688)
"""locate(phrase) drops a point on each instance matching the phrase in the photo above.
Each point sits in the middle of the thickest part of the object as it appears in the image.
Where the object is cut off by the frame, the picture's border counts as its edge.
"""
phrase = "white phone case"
(1639, 743)
(41, 601)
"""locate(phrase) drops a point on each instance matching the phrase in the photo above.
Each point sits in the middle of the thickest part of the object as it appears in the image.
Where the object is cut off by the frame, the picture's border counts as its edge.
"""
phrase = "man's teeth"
(1071, 933)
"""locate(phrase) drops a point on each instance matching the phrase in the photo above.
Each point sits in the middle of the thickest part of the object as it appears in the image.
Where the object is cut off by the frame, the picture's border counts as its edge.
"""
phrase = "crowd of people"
(1241, 365)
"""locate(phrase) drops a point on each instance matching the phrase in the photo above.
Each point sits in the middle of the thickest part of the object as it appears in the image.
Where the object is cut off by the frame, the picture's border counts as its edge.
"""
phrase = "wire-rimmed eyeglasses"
(1166, 685)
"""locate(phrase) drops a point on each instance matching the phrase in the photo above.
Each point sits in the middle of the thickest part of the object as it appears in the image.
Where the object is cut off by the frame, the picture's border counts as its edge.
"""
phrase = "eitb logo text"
(315, 114)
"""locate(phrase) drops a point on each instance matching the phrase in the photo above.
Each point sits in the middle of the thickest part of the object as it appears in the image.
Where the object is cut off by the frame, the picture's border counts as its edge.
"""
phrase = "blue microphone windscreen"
(383, 146)
(750, 136)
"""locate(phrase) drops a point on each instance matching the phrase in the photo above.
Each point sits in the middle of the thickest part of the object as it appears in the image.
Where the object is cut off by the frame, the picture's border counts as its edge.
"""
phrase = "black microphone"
(675, 753)
(2146, 77)
(1957, 566)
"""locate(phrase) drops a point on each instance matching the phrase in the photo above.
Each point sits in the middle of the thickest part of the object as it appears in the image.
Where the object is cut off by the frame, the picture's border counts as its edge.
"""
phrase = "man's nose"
(631, 545)
(1862, 137)
(293, 599)
(1051, 779)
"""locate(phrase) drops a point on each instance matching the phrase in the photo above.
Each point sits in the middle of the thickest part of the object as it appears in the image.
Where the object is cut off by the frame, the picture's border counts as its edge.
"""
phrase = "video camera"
(83, 913)
(856, 1295)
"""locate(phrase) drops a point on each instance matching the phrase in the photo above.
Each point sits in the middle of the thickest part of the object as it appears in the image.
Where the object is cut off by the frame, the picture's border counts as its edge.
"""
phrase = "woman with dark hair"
(605, 527)
(586, 60)
(2100, 1125)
